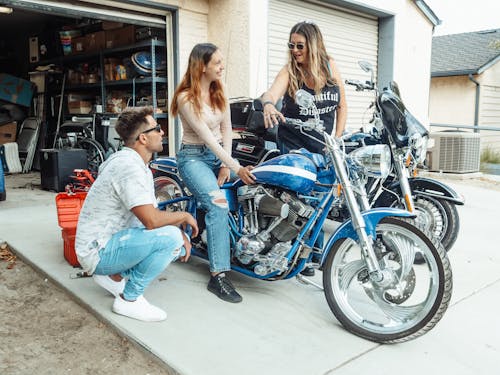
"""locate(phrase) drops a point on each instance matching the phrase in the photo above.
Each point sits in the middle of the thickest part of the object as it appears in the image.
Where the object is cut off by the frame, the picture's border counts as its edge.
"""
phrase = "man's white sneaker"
(139, 309)
(114, 287)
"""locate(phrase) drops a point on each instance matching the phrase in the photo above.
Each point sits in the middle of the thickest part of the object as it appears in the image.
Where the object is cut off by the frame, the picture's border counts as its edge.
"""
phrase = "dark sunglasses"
(300, 46)
(157, 128)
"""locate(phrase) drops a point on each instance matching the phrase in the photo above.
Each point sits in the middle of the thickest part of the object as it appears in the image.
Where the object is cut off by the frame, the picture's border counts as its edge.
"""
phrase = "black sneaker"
(222, 288)
(308, 271)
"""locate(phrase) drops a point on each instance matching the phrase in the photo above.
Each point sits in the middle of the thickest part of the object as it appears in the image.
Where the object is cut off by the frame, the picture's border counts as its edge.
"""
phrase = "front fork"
(402, 175)
(359, 225)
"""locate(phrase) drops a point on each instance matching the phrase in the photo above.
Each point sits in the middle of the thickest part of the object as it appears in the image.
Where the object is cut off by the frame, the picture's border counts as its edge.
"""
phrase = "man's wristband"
(267, 102)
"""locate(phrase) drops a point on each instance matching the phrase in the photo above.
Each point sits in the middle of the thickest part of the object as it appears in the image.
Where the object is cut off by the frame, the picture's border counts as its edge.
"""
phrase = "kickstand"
(305, 280)
(79, 274)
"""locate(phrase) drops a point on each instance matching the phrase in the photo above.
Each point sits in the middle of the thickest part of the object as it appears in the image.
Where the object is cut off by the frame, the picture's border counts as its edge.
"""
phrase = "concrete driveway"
(282, 327)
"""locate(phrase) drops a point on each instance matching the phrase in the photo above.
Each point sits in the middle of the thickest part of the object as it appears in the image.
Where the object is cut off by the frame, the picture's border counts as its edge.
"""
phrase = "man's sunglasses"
(300, 46)
(157, 128)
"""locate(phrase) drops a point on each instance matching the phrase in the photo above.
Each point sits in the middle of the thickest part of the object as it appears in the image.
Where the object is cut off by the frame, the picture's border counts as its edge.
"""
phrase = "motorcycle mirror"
(304, 99)
(394, 88)
(365, 65)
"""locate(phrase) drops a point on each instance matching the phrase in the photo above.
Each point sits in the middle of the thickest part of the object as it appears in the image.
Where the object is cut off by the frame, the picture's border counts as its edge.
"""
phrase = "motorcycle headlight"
(419, 145)
(375, 160)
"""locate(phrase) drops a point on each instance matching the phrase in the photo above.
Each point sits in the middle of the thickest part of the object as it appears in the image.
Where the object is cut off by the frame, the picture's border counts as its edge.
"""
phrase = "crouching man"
(122, 238)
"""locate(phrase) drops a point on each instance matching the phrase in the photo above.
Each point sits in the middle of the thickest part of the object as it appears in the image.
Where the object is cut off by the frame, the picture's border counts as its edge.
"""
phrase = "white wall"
(452, 101)
(239, 28)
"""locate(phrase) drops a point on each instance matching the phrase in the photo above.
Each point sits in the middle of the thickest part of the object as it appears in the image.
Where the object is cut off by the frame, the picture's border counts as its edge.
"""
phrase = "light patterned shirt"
(124, 182)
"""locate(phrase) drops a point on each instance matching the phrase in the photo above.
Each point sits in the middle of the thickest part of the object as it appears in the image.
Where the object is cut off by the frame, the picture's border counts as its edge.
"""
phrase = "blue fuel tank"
(290, 171)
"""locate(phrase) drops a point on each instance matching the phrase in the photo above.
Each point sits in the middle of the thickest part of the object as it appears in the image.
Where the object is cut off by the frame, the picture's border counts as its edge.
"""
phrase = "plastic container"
(68, 210)
(68, 235)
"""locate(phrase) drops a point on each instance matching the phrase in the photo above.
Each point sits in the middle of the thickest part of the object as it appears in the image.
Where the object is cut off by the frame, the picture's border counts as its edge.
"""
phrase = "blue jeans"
(198, 168)
(141, 255)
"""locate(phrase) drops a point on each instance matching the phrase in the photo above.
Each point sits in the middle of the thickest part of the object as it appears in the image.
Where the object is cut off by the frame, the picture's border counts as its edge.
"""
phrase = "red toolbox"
(68, 210)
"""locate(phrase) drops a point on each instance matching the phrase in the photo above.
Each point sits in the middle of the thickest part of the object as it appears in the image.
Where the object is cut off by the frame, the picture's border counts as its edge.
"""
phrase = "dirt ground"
(43, 331)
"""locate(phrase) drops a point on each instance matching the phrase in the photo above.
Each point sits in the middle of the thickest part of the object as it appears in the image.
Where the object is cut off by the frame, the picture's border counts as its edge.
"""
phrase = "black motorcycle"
(433, 202)
(392, 124)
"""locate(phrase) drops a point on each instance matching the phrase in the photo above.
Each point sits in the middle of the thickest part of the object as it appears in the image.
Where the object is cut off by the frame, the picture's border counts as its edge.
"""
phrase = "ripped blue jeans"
(198, 167)
(141, 255)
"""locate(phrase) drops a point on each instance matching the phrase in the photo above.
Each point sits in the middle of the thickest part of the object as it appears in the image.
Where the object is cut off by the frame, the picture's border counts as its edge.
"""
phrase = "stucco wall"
(452, 100)
(239, 28)
(228, 28)
(412, 59)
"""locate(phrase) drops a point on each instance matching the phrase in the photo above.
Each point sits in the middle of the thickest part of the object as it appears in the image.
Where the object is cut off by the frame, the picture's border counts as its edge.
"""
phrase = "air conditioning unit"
(456, 152)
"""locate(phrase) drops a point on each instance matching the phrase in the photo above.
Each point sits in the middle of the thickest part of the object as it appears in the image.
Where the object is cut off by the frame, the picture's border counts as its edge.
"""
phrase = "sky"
(460, 16)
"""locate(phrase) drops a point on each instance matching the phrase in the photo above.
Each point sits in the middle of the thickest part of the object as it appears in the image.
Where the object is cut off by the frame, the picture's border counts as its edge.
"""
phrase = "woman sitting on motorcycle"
(204, 159)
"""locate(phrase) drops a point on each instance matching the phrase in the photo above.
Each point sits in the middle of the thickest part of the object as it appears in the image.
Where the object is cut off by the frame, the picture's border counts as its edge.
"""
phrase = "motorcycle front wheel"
(410, 299)
(438, 216)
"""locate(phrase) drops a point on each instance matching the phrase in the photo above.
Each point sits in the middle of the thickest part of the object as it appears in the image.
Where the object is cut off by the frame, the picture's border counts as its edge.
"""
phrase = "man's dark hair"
(130, 122)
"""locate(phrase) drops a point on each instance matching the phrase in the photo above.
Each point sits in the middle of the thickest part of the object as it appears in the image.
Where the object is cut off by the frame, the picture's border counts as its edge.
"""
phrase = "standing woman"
(312, 69)
(309, 68)
(204, 159)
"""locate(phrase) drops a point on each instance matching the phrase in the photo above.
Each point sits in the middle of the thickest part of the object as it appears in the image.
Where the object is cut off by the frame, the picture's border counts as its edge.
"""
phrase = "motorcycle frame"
(360, 227)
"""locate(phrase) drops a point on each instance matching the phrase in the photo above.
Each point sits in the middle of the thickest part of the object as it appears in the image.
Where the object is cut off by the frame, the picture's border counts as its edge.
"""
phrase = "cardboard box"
(120, 37)
(16, 90)
(89, 43)
(8, 132)
(110, 25)
(80, 107)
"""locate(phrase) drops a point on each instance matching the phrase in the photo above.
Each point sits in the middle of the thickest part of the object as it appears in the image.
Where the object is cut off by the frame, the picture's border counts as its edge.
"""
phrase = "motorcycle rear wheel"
(168, 187)
(408, 306)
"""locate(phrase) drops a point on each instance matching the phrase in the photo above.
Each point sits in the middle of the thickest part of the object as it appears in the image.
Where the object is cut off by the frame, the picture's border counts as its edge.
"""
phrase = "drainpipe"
(476, 110)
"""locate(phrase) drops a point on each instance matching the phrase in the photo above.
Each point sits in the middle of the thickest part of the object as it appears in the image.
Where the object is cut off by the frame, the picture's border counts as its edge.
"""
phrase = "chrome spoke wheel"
(167, 188)
(409, 299)
(431, 215)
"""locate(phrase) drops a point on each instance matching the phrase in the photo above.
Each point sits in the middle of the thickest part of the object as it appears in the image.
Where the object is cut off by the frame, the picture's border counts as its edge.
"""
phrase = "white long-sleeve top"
(210, 127)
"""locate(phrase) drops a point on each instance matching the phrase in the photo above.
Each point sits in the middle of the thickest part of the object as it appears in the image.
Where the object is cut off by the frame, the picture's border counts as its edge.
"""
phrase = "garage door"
(349, 37)
(112, 10)
(127, 12)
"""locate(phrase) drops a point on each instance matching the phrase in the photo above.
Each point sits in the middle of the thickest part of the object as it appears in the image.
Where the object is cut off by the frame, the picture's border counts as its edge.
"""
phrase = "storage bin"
(68, 210)
(68, 235)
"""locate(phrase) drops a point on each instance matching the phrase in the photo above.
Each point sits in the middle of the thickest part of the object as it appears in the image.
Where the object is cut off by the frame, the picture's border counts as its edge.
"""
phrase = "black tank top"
(326, 102)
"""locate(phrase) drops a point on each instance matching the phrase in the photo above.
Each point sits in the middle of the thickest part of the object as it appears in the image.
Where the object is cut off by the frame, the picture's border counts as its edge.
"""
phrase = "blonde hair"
(191, 82)
(319, 61)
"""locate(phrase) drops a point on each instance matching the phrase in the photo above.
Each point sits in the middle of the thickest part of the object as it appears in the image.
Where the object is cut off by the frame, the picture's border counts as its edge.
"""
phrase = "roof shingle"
(465, 53)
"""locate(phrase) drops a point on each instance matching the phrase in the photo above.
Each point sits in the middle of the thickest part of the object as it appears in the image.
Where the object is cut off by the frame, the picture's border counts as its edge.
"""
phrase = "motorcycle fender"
(435, 189)
(371, 217)
(166, 164)
(423, 186)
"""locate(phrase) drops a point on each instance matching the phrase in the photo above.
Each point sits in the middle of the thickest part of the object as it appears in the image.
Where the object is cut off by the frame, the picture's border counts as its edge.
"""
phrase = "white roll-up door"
(349, 37)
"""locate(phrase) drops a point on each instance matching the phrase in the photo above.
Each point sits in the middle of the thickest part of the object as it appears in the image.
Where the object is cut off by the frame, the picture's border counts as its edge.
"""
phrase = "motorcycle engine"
(273, 218)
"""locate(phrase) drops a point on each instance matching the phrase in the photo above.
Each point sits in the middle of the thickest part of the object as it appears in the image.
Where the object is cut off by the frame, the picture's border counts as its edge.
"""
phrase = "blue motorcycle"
(369, 270)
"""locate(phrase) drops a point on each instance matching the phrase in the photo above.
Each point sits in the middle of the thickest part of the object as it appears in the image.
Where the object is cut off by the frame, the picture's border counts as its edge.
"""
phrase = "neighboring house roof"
(464, 54)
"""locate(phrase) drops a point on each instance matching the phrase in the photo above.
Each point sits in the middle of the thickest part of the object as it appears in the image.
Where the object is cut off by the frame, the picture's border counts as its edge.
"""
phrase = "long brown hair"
(199, 58)
(319, 61)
